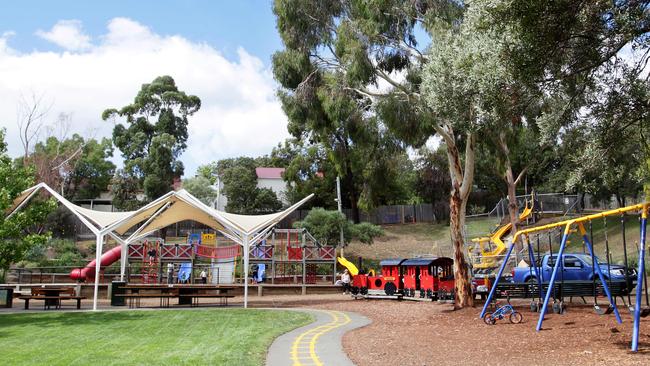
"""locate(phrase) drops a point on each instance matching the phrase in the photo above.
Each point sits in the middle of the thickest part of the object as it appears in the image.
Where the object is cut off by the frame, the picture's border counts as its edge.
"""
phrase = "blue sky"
(226, 25)
(82, 57)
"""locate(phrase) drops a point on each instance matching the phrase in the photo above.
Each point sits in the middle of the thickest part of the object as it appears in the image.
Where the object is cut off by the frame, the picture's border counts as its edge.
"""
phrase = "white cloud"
(240, 114)
(67, 34)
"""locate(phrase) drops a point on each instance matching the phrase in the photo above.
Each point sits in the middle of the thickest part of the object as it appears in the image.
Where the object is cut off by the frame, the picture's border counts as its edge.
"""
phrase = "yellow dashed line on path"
(303, 351)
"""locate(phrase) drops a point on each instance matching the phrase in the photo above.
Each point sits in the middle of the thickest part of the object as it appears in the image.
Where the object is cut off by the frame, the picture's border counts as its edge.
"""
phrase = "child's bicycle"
(501, 312)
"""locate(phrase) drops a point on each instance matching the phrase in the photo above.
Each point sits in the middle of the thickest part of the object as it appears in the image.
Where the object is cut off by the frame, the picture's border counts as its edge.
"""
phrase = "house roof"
(269, 173)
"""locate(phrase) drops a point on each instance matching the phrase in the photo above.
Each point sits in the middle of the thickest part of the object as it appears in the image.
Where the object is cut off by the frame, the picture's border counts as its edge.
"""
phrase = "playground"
(584, 312)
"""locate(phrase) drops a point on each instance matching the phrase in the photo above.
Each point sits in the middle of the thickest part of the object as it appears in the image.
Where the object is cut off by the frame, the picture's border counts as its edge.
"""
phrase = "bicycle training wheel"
(516, 318)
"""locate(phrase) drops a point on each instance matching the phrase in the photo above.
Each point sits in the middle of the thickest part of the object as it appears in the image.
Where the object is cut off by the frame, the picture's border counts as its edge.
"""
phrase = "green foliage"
(307, 170)
(366, 232)
(336, 55)
(589, 58)
(240, 185)
(156, 134)
(79, 168)
(125, 188)
(325, 226)
(201, 188)
(15, 237)
(54, 252)
(93, 171)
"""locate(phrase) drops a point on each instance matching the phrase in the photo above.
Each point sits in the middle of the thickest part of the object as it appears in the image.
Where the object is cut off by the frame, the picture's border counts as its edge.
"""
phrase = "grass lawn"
(175, 337)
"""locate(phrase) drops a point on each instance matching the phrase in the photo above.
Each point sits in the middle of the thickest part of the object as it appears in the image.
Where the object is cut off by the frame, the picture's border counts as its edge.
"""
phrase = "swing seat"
(601, 311)
(645, 312)
(559, 307)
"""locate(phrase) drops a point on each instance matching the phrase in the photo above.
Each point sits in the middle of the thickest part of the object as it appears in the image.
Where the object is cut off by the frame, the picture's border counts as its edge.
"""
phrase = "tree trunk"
(513, 207)
(461, 185)
(464, 295)
(511, 182)
(352, 194)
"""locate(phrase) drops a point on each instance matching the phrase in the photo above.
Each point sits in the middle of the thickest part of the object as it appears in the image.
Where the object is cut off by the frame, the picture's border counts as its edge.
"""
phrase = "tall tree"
(566, 48)
(31, 112)
(156, 135)
(367, 53)
(15, 237)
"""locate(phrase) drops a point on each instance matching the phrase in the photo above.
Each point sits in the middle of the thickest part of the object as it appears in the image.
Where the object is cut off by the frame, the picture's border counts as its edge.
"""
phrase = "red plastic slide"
(88, 272)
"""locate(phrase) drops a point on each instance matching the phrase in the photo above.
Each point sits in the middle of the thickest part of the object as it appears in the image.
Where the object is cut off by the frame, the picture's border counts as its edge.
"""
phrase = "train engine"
(388, 283)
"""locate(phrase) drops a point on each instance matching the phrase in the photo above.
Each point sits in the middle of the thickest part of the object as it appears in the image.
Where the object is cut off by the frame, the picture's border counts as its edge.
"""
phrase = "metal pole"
(600, 273)
(639, 282)
(246, 249)
(551, 282)
(340, 204)
(98, 253)
(496, 281)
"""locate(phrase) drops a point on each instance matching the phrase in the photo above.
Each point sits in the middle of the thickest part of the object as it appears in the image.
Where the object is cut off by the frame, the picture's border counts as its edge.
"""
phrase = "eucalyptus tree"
(155, 134)
(349, 62)
(16, 238)
(589, 58)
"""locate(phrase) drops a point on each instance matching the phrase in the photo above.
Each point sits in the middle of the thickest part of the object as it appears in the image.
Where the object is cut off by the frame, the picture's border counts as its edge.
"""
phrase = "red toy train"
(417, 278)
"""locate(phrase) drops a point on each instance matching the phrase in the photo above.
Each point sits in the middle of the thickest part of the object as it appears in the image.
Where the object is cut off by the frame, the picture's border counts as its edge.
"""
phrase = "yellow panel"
(208, 239)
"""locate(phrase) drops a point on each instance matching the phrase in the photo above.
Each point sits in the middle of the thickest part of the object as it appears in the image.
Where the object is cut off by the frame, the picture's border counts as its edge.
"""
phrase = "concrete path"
(317, 344)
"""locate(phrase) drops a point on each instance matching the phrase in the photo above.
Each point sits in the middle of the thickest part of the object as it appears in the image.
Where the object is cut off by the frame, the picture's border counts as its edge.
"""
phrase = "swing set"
(578, 225)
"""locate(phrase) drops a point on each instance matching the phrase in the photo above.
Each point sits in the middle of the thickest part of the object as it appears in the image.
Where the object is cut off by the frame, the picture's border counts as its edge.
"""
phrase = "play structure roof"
(100, 219)
(168, 209)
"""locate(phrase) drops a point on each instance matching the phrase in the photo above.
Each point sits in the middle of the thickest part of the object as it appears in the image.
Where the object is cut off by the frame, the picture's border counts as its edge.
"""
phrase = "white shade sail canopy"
(98, 219)
(173, 207)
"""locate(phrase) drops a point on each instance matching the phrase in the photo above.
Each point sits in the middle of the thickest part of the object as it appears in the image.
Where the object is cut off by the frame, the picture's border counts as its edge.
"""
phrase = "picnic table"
(52, 296)
(187, 294)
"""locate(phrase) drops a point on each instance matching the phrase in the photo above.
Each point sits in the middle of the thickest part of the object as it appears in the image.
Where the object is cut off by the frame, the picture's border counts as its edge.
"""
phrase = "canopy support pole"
(246, 249)
(98, 254)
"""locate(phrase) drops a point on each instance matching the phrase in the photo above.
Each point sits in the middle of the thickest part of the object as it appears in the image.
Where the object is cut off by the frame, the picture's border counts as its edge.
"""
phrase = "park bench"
(568, 289)
(52, 297)
(133, 299)
(223, 298)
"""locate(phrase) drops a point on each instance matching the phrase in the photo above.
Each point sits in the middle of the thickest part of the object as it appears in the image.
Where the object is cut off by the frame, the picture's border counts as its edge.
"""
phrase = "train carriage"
(428, 277)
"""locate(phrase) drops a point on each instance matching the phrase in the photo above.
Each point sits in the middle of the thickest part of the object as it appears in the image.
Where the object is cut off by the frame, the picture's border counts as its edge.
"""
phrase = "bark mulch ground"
(414, 333)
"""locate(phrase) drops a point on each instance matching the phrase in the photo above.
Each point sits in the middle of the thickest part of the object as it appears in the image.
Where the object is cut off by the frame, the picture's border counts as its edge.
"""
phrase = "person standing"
(204, 276)
(345, 279)
(170, 272)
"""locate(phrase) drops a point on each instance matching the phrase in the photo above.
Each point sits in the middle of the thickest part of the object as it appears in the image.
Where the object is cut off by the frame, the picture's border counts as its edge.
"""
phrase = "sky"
(82, 57)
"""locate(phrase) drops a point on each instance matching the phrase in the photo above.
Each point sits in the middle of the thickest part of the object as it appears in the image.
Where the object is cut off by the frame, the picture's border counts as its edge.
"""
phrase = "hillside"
(433, 239)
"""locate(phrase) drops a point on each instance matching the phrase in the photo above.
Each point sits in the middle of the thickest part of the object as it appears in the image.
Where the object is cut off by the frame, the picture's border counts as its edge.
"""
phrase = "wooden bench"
(567, 289)
(134, 299)
(49, 301)
(223, 298)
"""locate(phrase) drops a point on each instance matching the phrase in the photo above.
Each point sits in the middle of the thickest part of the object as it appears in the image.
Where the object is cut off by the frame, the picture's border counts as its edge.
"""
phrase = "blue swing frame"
(567, 229)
